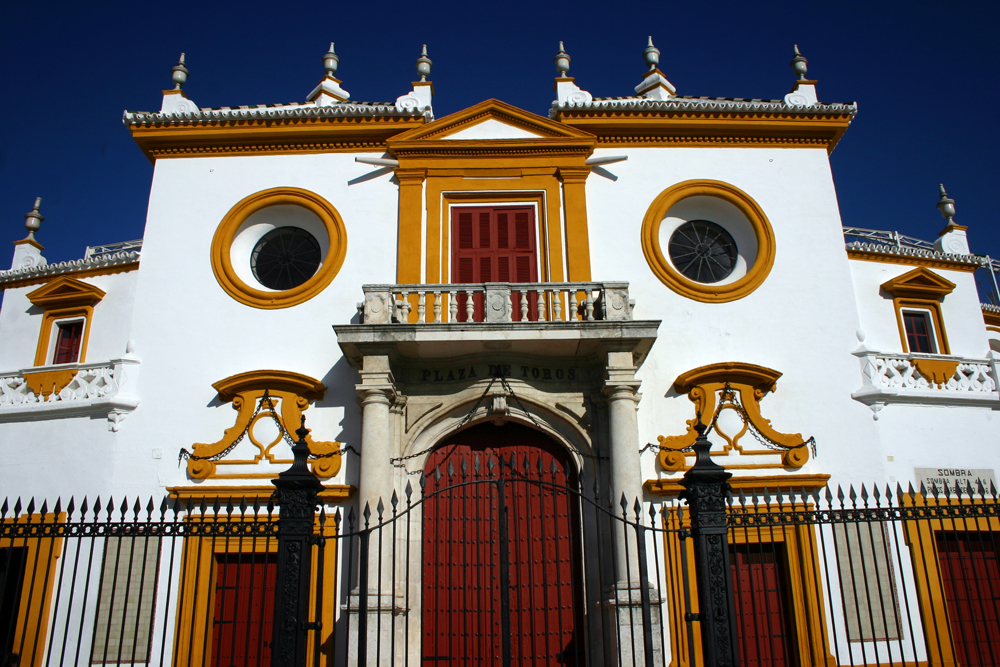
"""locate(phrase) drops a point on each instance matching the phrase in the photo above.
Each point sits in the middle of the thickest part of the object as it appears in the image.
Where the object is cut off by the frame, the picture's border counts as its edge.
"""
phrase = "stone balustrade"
(496, 303)
(925, 379)
(91, 388)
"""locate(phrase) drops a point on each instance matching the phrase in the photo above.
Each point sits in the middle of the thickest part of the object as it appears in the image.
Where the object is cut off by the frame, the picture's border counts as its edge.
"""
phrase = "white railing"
(496, 303)
(94, 251)
(94, 387)
(901, 372)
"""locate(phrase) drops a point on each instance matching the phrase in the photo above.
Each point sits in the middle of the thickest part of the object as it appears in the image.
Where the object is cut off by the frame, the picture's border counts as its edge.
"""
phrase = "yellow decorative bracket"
(752, 383)
(290, 393)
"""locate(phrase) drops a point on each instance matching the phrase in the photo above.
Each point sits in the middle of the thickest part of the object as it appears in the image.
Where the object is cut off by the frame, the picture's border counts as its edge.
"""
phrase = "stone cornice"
(877, 252)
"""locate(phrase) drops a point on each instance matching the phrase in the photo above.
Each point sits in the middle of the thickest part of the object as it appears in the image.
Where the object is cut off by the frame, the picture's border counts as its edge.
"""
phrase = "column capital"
(410, 176)
(621, 383)
(574, 174)
(376, 393)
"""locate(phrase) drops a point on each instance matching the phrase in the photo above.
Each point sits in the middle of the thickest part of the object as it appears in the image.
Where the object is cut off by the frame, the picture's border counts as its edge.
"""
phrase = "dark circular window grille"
(703, 251)
(285, 258)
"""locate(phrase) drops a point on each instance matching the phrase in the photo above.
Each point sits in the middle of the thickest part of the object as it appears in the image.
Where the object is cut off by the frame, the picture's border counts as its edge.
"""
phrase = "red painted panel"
(461, 551)
(763, 616)
(244, 605)
(495, 244)
(971, 576)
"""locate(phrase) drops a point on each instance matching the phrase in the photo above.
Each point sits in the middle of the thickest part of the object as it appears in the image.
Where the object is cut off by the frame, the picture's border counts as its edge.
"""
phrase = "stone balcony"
(70, 390)
(449, 320)
(926, 379)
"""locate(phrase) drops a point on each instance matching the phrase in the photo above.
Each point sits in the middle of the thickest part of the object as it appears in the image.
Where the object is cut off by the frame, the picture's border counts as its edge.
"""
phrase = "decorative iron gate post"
(707, 488)
(296, 493)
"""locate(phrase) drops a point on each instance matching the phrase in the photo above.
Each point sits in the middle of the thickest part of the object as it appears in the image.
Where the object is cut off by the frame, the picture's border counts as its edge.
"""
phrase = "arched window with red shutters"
(494, 244)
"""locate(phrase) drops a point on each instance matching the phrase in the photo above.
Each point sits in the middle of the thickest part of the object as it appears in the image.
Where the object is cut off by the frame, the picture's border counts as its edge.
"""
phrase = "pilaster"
(574, 181)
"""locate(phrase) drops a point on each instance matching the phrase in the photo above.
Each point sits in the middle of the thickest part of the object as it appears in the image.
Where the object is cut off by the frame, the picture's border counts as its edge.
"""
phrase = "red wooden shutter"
(494, 244)
(68, 343)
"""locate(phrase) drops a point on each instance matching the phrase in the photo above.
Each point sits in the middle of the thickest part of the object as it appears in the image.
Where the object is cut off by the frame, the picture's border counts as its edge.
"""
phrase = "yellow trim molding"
(331, 493)
(708, 293)
(920, 289)
(908, 260)
(708, 127)
(32, 622)
(258, 298)
(61, 298)
(435, 172)
(291, 394)
(752, 383)
(756, 483)
(272, 136)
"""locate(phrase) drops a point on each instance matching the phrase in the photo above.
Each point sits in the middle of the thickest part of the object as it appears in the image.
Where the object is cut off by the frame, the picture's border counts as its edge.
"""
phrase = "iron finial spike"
(380, 508)
(394, 501)
(408, 490)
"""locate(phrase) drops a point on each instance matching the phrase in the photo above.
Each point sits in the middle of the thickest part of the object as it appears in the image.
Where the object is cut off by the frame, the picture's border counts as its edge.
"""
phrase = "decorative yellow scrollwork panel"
(718, 388)
(258, 396)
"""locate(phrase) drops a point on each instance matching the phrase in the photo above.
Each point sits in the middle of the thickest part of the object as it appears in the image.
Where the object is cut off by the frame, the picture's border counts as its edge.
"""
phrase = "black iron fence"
(507, 560)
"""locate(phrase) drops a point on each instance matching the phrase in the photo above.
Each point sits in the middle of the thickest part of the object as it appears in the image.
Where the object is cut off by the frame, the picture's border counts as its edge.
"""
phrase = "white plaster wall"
(963, 317)
(189, 333)
(801, 321)
(20, 322)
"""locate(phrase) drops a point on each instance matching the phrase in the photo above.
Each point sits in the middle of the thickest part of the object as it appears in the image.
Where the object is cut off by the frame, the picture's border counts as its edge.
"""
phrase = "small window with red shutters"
(68, 340)
(494, 244)
(919, 331)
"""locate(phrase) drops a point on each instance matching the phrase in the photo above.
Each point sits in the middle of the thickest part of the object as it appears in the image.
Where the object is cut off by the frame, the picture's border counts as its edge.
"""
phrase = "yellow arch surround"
(708, 293)
(257, 298)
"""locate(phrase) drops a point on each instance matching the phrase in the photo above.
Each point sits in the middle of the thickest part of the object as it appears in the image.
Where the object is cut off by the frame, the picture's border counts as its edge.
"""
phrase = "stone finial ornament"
(331, 61)
(799, 63)
(424, 64)
(651, 55)
(562, 61)
(179, 74)
(946, 205)
(33, 220)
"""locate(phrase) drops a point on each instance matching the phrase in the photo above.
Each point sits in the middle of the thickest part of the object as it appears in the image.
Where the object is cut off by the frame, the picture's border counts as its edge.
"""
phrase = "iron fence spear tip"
(31, 506)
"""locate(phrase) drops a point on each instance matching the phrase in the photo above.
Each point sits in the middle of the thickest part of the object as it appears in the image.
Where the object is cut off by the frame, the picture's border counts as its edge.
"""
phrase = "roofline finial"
(651, 55)
(179, 73)
(330, 62)
(33, 220)
(799, 64)
(562, 61)
(946, 205)
(424, 64)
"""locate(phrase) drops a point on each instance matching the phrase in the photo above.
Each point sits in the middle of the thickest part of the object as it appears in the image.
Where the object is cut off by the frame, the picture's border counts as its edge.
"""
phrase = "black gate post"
(297, 489)
(706, 489)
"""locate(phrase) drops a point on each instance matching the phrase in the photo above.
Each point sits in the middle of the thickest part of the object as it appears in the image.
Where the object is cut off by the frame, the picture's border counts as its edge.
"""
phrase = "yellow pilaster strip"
(577, 235)
(408, 249)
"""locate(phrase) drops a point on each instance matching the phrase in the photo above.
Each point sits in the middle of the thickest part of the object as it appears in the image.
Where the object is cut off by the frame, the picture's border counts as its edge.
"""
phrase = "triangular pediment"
(493, 120)
(65, 292)
(919, 283)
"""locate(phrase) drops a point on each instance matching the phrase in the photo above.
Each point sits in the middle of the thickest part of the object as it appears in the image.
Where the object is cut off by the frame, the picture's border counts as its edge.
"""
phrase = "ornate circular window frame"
(708, 292)
(222, 243)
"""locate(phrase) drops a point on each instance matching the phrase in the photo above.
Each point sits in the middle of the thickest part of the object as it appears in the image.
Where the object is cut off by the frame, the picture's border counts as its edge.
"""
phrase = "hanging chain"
(730, 400)
(267, 405)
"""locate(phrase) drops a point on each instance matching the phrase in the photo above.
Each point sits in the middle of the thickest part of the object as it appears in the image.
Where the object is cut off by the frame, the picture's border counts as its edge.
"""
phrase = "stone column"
(633, 601)
(373, 602)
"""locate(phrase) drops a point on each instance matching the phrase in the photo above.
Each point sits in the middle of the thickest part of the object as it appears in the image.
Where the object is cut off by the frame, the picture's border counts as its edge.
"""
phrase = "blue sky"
(924, 75)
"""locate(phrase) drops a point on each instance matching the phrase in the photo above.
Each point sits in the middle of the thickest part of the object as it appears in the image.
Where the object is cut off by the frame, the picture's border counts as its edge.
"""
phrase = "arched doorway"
(501, 566)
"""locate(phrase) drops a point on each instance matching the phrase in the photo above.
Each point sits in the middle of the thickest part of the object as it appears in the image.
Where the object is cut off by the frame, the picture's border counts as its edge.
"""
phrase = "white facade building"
(313, 250)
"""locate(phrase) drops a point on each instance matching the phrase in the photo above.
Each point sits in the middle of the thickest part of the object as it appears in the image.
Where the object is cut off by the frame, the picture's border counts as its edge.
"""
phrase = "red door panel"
(494, 244)
(244, 604)
(461, 550)
(763, 617)
(971, 577)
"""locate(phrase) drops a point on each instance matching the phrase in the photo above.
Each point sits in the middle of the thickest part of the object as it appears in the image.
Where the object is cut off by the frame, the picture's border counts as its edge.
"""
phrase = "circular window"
(285, 258)
(708, 241)
(278, 248)
(703, 251)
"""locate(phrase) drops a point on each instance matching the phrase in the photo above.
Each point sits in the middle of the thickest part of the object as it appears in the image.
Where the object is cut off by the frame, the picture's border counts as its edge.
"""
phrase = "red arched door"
(501, 568)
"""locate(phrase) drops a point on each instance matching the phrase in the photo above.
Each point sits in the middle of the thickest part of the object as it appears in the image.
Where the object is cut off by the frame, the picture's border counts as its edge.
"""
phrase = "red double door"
(494, 244)
(244, 606)
(472, 560)
(763, 614)
(970, 572)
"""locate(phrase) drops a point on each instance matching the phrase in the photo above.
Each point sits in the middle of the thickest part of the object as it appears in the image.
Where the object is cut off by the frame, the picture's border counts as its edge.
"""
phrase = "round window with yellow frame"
(708, 241)
(278, 248)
